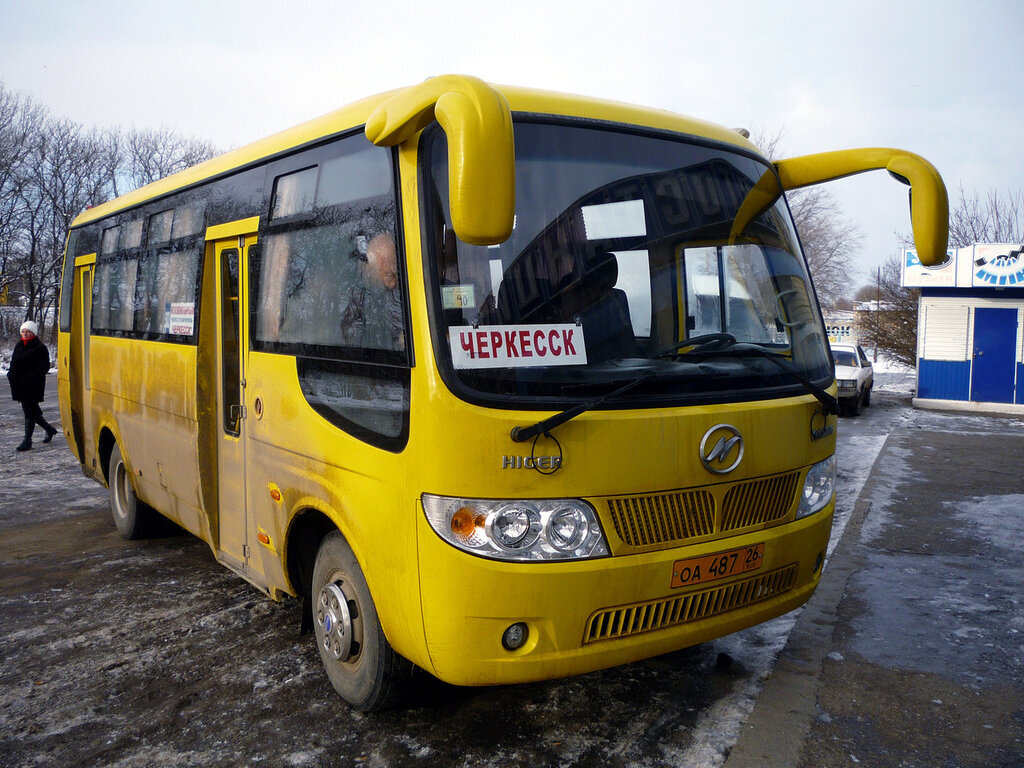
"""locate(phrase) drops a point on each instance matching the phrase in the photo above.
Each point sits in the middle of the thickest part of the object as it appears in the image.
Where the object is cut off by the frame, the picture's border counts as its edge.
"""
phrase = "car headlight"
(819, 487)
(847, 383)
(545, 529)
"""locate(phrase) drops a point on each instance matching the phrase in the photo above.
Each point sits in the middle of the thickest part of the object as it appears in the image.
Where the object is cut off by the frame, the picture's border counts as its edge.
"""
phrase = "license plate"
(698, 570)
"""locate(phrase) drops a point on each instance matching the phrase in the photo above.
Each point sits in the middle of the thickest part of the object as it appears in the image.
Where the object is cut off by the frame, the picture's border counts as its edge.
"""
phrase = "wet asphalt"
(911, 652)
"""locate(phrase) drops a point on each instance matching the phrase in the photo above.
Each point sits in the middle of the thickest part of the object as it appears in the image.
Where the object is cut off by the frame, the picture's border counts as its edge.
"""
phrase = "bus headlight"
(819, 487)
(544, 529)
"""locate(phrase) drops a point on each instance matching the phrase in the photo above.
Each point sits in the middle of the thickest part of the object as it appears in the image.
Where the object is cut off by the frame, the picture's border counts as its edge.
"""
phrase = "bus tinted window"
(331, 283)
(113, 307)
(159, 228)
(131, 235)
(238, 196)
(109, 243)
(150, 292)
(354, 176)
(294, 193)
(188, 220)
(88, 240)
(328, 289)
(369, 402)
(67, 285)
(303, 275)
(320, 286)
(166, 300)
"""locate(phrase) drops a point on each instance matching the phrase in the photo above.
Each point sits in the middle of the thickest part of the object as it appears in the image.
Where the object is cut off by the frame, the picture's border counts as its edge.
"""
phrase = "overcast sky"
(943, 79)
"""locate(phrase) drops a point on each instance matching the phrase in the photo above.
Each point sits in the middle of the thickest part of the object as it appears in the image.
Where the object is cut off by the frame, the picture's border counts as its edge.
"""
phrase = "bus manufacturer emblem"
(531, 462)
(720, 443)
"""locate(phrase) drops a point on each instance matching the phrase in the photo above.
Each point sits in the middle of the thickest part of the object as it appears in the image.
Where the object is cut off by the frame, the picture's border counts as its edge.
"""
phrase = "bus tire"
(133, 518)
(361, 664)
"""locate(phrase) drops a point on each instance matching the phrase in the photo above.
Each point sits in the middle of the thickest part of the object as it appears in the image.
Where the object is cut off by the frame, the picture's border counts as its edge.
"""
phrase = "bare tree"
(891, 324)
(866, 293)
(51, 170)
(151, 154)
(829, 241)
(113, 160)
(21, 119)
(64, 174)
(989, 220)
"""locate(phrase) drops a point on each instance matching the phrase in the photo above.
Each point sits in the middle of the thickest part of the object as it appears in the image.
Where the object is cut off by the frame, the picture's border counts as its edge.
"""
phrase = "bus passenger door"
(231, 364)
(81, 325)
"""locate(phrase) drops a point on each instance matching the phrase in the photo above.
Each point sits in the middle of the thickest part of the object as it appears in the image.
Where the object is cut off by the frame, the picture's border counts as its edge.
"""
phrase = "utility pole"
(878, 302)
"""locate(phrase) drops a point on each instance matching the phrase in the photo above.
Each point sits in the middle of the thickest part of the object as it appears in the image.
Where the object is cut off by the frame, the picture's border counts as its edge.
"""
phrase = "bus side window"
(114, 294)
(327, 287)
(166, 290)
(293, 193)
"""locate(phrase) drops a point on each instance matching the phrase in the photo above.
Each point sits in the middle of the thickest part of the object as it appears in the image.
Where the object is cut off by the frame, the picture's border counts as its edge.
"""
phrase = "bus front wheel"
(360, 663)
(133, 518)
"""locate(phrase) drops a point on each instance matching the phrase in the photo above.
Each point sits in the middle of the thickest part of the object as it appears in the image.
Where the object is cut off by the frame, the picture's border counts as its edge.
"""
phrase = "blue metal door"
(995, 359)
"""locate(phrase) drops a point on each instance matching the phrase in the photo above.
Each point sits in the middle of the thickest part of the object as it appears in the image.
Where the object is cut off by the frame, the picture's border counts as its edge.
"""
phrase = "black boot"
(30, 427)
(50, 432)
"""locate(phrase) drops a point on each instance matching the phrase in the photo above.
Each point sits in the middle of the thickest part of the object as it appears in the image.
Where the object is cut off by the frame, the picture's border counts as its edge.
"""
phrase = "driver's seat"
(602, 310)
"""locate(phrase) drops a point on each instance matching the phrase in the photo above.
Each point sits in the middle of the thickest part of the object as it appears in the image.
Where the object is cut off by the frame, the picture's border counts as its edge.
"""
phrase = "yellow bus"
(502, 384)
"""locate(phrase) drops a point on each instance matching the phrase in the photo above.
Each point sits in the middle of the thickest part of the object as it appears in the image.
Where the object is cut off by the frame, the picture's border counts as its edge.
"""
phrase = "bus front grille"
(643, 520)
(758, 502)
(659, 614)
(679, 516)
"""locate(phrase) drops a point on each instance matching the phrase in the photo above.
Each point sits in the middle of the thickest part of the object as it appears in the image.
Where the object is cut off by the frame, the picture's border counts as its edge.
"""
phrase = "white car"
(854, 377)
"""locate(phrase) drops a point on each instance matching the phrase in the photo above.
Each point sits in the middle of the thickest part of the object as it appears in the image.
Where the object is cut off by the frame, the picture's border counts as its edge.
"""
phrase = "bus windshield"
(623, 264)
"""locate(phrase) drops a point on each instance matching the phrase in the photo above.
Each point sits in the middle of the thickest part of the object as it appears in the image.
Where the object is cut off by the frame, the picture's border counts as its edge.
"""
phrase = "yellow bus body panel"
(604, 454)
(362, 489)
(468, 604)
(145, 395)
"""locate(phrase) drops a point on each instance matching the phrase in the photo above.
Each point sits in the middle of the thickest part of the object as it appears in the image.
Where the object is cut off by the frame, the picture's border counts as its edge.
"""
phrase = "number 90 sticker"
(697, 570)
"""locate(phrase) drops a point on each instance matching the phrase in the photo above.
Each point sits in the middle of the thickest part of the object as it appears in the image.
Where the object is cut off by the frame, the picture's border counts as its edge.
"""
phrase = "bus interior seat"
(602, 309)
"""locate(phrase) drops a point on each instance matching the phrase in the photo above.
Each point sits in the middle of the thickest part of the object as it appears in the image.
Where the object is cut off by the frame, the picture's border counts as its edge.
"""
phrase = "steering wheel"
(707, 342)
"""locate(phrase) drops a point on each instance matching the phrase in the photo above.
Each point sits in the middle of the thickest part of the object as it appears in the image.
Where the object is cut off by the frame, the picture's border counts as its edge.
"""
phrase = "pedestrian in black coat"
(30, 363)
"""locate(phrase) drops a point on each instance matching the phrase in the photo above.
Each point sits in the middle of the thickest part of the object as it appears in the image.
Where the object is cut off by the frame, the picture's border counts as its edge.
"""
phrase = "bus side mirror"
(481, 152)
(929, 204)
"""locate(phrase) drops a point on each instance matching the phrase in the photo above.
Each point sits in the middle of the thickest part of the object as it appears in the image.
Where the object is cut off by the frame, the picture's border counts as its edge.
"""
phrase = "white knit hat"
(30, 325)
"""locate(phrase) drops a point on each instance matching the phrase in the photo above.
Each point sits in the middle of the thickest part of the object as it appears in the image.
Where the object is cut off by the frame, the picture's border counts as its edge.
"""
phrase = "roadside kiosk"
(970, 349)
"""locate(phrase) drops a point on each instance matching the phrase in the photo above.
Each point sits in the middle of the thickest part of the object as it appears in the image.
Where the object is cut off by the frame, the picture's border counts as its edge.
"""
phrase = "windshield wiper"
(697, 345)
(726, 345)
(522, 434)
(829, 404)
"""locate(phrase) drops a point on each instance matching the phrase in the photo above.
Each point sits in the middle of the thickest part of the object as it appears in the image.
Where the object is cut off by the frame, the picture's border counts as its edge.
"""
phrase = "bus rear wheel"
(133, 518)
(361, 664)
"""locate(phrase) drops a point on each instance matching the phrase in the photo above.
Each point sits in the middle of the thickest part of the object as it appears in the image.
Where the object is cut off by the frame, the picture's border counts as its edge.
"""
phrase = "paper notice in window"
(183, 318)
(458, 296)
(517, 346)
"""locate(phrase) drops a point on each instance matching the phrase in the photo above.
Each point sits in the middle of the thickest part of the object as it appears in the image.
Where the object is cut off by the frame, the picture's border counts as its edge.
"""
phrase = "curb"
(775, 732)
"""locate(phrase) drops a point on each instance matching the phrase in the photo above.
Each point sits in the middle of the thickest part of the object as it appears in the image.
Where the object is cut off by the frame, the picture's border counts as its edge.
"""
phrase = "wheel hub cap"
(335, 619)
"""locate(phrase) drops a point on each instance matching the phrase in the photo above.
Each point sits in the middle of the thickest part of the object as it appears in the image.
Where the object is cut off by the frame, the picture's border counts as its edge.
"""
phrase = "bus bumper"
(587, 615)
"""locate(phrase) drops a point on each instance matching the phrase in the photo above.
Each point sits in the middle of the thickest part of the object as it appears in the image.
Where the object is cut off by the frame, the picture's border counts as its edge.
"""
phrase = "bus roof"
(522, 100)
